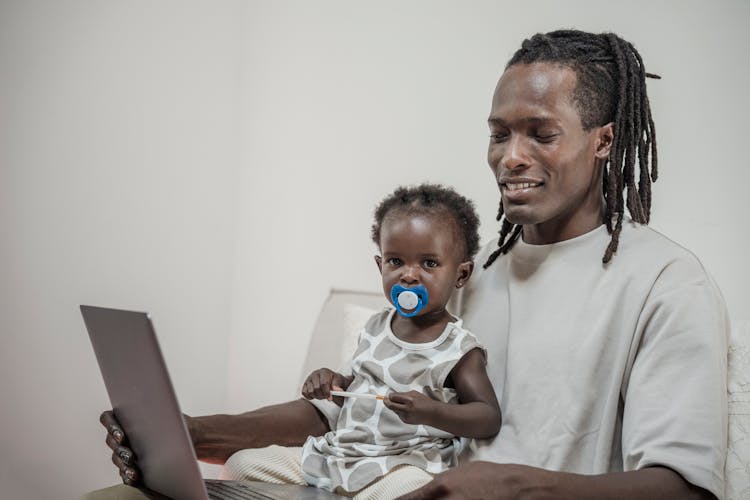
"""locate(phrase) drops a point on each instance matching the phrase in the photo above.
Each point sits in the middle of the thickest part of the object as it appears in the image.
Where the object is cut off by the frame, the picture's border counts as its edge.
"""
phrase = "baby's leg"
(397, 482)
(273, 464)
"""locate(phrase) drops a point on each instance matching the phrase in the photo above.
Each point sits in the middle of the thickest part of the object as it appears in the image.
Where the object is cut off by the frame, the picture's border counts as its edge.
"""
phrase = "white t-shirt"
(602, 368)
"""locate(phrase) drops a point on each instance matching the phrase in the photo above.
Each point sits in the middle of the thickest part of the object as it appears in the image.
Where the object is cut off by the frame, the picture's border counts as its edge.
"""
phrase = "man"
(607, 341)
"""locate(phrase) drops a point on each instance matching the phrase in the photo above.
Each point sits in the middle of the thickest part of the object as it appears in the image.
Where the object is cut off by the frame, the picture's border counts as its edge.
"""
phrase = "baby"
(418, 381)
(427, 369)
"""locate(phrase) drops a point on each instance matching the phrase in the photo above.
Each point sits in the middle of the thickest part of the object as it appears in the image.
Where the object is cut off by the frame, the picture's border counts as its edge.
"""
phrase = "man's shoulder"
(640, 245)
(642, 251)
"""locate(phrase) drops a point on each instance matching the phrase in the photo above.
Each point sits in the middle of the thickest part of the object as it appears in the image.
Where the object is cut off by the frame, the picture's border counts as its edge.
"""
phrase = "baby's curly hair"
(432, 199)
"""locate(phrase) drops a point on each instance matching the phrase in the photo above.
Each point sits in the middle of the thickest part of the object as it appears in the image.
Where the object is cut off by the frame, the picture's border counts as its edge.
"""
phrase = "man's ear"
(379, 262)
(464, 273)
(605, 138)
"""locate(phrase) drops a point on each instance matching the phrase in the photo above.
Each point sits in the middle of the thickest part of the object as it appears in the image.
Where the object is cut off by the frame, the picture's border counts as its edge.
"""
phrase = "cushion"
(334, 336)
(738, 387)
(355, 318)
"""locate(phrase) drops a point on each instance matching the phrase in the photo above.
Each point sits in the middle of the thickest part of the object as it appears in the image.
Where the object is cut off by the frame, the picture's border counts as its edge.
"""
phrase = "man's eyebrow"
(530, 120)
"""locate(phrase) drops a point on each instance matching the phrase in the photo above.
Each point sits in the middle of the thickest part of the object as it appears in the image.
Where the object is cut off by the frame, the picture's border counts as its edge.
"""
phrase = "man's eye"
(498, 137)
(430, 263)
(546, 136)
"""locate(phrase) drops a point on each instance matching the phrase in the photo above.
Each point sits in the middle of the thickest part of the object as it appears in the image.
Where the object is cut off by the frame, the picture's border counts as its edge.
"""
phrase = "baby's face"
(423, 250)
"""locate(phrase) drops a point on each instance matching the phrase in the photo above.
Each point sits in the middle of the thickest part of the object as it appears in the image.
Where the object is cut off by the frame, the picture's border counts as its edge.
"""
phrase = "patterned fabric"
(281, 465)
(272, 464)
(369, 439)
(738, 455)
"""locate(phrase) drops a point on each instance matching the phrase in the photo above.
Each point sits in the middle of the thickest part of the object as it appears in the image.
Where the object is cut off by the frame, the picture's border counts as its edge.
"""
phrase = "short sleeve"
(675, 398)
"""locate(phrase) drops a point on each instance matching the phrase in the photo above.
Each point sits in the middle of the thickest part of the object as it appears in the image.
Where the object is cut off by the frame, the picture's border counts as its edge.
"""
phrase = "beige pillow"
(738, 384)
(355, 318)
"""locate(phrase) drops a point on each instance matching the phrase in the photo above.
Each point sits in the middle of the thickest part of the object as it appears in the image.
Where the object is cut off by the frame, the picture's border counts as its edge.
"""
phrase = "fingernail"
(117, 434)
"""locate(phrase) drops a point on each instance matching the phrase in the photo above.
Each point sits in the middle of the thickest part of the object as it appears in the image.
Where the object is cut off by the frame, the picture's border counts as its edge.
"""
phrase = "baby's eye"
(430, 263)
(394, 261)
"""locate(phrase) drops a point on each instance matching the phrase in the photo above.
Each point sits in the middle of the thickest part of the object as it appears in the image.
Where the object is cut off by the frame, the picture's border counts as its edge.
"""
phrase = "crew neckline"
(420, 346)
(581, 238)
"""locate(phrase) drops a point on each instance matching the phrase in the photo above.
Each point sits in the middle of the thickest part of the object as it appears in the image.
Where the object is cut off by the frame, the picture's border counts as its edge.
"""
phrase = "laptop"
(145, 404)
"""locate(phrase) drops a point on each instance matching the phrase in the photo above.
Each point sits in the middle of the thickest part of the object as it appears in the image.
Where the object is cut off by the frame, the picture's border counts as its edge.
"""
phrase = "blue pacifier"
(412, 299)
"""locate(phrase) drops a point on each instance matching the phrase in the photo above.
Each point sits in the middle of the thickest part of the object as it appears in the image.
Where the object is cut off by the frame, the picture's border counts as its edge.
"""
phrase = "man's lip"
(512, 184)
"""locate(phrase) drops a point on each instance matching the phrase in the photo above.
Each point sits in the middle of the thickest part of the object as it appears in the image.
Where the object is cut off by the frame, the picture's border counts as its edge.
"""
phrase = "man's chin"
(521, 215)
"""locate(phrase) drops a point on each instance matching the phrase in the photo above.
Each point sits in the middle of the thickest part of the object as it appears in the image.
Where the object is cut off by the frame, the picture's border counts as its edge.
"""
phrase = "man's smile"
(515, 186)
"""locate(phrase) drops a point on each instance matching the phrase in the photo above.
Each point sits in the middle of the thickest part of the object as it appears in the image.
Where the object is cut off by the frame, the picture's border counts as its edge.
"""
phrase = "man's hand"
(491, 481)
(320, 383)
(482, 480)
(411, 407)
(122, 456)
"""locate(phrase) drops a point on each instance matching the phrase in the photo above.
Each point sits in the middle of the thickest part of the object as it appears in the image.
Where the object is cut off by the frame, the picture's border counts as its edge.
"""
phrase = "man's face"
(548, 168)
(422, 249)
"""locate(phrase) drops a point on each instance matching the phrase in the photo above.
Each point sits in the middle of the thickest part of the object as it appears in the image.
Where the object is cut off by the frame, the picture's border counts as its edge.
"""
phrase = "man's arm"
(217, 437)
(519, 482)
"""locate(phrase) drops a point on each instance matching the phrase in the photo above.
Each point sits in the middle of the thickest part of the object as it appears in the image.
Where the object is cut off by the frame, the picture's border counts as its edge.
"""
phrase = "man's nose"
(516, 154)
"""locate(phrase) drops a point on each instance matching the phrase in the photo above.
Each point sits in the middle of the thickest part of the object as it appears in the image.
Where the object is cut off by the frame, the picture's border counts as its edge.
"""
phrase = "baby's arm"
(319, 384)
(476, 416)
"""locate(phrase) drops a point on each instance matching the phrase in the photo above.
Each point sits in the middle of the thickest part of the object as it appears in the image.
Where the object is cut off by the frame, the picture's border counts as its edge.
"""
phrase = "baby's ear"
(379, 262)
(464, 273)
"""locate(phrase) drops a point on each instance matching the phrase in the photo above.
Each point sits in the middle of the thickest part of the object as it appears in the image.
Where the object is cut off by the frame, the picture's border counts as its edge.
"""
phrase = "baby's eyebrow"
(434, 255)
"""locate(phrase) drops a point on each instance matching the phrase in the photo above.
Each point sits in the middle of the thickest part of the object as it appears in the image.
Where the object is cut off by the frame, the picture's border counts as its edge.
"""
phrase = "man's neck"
(555, 231)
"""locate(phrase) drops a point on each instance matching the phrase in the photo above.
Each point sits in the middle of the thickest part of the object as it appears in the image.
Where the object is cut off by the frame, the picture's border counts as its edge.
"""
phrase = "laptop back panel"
(144, 401)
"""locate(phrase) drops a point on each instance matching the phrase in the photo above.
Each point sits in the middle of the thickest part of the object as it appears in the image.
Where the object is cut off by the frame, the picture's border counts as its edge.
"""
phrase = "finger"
(117, 460)
(109, 421)
(125, 455)
(332, 398)
(338, 380)
(326, 385)
(112, 443)
(124, 459)
(316, 386)
(130, 477)
(399, 397)
(395, 405)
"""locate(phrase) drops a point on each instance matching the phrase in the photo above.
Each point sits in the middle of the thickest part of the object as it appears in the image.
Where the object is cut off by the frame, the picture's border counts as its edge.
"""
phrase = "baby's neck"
(420, 329)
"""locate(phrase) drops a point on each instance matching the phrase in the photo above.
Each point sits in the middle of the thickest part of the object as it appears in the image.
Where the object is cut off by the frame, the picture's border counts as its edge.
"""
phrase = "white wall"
(217, 163)
(118, 160)
(345, 100)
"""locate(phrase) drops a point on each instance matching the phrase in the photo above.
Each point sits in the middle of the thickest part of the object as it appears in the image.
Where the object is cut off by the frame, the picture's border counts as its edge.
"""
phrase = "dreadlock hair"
(610, 87)
(432, 199)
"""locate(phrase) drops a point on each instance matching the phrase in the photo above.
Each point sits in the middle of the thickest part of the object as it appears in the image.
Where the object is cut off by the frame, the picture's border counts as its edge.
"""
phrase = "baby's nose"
(409, 275)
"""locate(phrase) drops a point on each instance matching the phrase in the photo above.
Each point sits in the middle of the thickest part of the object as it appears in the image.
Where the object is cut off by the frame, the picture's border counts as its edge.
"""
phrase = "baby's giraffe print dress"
(369, 439)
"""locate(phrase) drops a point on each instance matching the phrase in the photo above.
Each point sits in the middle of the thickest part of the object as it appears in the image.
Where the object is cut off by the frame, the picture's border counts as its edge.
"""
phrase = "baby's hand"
(321, 382)
(411, 407)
